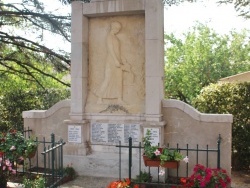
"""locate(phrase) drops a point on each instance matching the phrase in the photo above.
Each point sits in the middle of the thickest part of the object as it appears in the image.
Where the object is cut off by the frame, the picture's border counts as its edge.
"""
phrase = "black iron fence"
(48, 161)
(199, 153)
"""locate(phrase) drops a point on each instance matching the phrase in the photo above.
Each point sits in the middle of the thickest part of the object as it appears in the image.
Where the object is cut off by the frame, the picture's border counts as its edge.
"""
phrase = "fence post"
(61, 165)
(120, 161)
(218, 153)
(53, 156)
(129, 157)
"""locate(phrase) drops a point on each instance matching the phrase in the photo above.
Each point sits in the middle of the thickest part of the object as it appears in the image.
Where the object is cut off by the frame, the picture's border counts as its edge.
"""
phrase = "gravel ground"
(239, 180)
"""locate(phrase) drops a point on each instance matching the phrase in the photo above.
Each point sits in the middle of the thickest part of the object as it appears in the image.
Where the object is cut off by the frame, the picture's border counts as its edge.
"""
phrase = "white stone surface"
(154, 95)
(154, 20)
(154, 58)
(153, 10)
(46, 113)
(195, 114)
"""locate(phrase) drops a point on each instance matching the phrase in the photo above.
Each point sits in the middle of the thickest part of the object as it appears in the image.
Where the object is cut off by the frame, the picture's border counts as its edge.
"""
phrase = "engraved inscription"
(112, 133)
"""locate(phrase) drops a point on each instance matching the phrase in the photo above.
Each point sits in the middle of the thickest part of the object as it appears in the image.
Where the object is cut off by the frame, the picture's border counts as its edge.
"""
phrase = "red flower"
(204, 177)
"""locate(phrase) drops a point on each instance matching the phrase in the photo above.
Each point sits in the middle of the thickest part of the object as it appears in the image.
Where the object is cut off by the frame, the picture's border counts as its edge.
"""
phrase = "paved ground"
(239, 180)
(88, 182)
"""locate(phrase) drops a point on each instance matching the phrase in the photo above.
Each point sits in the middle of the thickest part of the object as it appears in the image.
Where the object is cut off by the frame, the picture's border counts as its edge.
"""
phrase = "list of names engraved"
(131, 130)
(112, 133)
(99, 132)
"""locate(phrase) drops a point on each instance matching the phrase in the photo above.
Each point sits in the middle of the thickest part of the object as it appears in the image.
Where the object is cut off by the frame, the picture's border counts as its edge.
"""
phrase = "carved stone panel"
(116, 64)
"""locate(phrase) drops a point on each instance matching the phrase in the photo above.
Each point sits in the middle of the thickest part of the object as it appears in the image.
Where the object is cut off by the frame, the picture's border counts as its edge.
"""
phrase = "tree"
(241, 6)
(231, 98)
(20, 55)
(31, 73)
(201, 58)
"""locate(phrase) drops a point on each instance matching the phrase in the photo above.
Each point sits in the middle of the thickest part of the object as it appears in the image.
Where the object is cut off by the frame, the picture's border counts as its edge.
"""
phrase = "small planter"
(32, 154)
(157, 162)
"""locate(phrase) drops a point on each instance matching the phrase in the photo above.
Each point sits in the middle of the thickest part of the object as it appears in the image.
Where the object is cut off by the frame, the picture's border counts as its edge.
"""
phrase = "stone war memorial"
(117, 92)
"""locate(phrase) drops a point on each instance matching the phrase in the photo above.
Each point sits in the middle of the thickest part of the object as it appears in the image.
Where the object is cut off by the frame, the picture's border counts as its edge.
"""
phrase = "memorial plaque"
(133, 131)
(112, 133)
(74, 134)
(115, 133)
(99, 132)
(155, 135)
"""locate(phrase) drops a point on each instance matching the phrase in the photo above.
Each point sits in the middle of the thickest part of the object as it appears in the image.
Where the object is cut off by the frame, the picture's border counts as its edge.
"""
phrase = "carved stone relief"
(116, 64)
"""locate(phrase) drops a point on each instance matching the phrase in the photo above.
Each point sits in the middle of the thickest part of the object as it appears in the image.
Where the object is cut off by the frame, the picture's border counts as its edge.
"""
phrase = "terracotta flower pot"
(157, 162)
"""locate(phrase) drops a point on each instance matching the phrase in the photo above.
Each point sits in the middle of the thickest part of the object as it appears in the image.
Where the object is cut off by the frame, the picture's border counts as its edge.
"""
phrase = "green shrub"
(14, 102)
(39, 182)
(70, 172)
(231, 98)
(143, 177)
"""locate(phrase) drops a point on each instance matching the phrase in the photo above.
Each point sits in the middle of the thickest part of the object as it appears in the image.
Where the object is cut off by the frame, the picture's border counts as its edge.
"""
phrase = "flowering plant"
(13, 145)
(203, 177)
(126, 183)
(5, 169)
(164, 154)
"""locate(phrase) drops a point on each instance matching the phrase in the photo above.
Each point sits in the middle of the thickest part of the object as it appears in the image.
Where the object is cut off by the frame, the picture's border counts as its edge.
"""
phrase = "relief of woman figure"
(112, 85)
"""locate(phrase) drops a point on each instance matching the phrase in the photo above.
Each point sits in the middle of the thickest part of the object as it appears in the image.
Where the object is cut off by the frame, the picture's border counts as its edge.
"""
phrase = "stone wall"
(184, 125)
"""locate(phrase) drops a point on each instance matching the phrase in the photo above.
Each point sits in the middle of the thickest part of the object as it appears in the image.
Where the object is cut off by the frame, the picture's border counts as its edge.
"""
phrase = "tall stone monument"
(117, 92)
(117, 70)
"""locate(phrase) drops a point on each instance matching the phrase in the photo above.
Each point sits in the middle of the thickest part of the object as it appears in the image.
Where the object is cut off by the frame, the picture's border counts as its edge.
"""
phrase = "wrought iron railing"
(167, 182)
(48, 161)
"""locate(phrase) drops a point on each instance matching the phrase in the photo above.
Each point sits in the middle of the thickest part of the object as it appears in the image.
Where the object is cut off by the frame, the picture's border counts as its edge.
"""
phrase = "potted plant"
(31, 147)
(154, 156)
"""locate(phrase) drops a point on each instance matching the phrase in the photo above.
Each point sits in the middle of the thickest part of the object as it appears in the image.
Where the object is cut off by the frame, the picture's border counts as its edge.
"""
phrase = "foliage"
(70, 172)
(24, 53)
(6, 169)
(203, 57)
(165, 154)
(14, 102)
(126, 183)
(143, 177)
(242, 7)
(13, 144)
(31, 147)
(203, 177)
(39, 182)
(231, 98)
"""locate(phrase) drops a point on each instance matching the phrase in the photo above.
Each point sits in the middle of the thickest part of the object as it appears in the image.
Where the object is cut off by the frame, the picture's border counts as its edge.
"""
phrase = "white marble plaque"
(99, 132)
(112, 133)
(131, 130)
(155, 135)
(74, 134)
